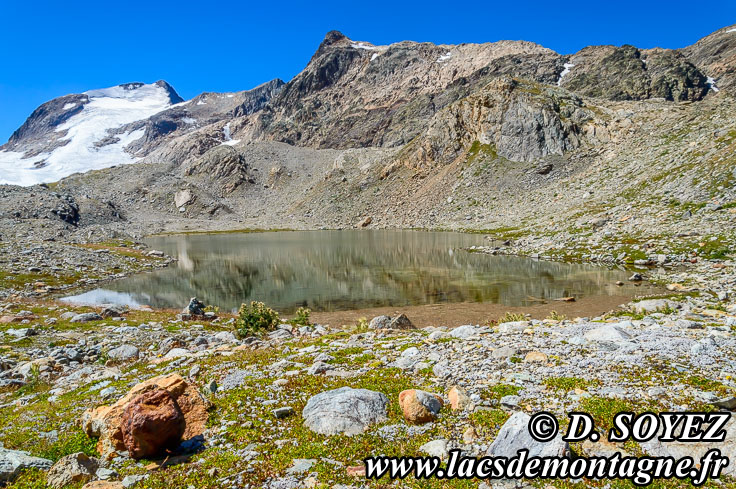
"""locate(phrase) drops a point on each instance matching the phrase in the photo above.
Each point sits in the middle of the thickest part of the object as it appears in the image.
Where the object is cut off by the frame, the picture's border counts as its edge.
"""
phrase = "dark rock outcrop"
(627, 73)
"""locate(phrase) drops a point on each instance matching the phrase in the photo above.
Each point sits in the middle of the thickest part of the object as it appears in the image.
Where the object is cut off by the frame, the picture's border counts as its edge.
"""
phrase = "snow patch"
(188, 120)
(229, 141)
(362, 45)
(69, 105)
(375, 55)
(731, 30)
(712, 83)
(444, 57)
(108, 109)
(565, 71)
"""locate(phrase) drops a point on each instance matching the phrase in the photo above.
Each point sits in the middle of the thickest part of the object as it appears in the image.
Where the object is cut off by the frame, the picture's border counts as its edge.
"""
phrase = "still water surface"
(351, 269)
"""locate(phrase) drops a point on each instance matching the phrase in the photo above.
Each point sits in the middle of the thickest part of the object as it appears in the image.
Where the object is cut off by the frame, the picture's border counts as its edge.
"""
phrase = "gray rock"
(323, 357)
(177, 353)
(226, 337)
(726, 403)
(234, 379)
(77, 467)
(105, 474)
(13, 462)
(400, 322)
(114, 310)
(380, 322)
(124, 353)
(86, 317)
(654, 305)
(513, 327)
(503, 352)
(510, 401)
(301, 465)
(318, 368)
(464, 332)
(22, 333)
(436, 448)
(130, 481)
(283, 412)
(345, 410)
(514, 436)
(607, 334)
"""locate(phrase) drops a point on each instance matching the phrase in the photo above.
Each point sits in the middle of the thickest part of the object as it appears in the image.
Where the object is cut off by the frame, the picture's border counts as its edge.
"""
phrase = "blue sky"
(48, 49)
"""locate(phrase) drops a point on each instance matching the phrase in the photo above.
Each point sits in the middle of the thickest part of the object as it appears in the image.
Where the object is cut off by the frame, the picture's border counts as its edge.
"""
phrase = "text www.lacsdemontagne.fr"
(639, 470)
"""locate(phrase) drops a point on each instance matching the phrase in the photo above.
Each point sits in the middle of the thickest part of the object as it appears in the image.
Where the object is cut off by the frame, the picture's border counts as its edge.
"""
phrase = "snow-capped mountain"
(81, 132)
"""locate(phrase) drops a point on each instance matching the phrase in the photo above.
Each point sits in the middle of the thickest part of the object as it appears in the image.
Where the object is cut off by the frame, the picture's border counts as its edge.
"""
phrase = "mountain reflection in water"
(352, 269)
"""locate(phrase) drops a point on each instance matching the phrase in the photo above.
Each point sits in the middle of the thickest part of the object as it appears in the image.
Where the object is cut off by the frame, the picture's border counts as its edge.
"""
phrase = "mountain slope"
(72, 133)
(113, 126)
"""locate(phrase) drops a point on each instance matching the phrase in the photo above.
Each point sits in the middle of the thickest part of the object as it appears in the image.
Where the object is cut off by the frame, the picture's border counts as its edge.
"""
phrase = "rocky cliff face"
(716, 56)
(627, 73)
(508, 118)
(355, 94)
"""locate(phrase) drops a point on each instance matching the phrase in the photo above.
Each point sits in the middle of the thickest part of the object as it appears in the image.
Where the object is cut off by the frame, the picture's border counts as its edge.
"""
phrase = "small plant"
(510, 317)
(301, 317)
(103, 358)
(362, 323)
(556, 316)
(255, 318)
(215, 309)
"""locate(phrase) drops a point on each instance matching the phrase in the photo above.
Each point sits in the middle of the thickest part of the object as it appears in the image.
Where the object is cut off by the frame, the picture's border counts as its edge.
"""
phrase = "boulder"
(13, 462)
(183, 197)
(514, 436)
(379, 322)
(653, 305)
(114, 310)
(152, 423)
(105, 421)
(77, 467)
(464, 332)
(400, 322)
(513, 327)
(607, 334)
(86, 317)
(345, 410)
(419, 406)
(124, 353)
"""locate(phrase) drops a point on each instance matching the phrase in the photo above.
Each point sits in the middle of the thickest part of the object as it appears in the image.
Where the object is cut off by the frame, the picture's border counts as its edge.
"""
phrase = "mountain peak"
(332, 37)
(173, 96)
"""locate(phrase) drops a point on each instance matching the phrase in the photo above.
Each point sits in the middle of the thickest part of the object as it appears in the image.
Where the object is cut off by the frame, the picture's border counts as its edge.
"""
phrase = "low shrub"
(255, 318)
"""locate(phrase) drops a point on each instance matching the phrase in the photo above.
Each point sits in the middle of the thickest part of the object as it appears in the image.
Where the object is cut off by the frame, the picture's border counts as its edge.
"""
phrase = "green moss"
(497, 391)
(566, 384)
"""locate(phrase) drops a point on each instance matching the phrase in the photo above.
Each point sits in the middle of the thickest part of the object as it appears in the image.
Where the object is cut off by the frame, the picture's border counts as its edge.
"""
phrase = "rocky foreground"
(115, 398)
